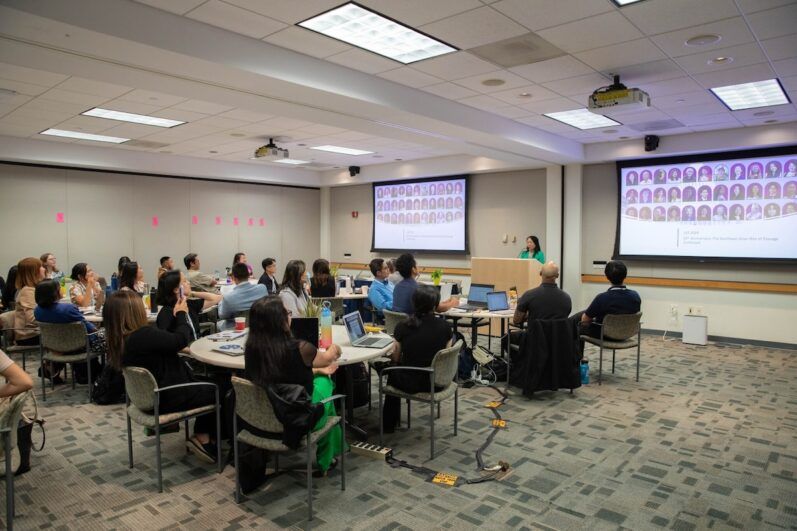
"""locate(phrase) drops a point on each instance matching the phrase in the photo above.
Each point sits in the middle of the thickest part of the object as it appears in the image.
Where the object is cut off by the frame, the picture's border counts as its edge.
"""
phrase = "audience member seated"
(294, 288)
(132, 278)
(546, 301)
(394, 277)
(240, 258)
(166, 265)
(10, 289)
(169, 293)
(199, 281)
(51, 270)
(617, 300)
(30, 272)
(532, 250)
(132, 343)
(381, 291)
(269, 276)
(418, 339)
(121, 264)
(49, 310)
(322, 284)
(242, 296)
(402, 293)
(273, 356)
(86, 290)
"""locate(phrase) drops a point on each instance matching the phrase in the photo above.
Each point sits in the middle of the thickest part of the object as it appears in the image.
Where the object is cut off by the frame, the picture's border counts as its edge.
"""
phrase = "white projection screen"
(421, 215)
(732, 206)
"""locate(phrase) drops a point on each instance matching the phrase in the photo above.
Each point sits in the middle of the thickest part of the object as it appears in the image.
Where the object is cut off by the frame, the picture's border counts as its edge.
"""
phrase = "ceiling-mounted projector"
(271, 152)
(606, 99)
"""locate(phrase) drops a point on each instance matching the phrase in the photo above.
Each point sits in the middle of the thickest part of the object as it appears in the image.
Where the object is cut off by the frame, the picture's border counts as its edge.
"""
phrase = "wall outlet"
(674, 313)
(699, 310)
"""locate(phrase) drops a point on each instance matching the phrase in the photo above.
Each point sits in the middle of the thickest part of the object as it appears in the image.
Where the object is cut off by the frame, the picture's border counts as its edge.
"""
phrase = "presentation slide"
(421, 215)
(731, 208)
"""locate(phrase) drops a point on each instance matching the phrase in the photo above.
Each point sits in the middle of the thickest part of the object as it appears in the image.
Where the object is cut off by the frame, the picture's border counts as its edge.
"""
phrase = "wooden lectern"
(505, 273)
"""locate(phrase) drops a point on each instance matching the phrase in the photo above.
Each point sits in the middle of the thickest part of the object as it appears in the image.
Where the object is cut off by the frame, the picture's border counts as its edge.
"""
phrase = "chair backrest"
(7, 323)
(140, 386)
(63, 337)
(621, 326)
(244, 314)
(253, 406)
(446, 363)
(392, 319)
(10, 414)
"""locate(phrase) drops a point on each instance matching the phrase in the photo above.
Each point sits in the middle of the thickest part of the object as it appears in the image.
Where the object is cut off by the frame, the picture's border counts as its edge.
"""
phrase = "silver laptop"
(498, 302)
(357, 336)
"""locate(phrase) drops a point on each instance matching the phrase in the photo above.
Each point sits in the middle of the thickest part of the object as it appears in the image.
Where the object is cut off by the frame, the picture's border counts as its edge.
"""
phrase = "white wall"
(108, 215)
(758, 316)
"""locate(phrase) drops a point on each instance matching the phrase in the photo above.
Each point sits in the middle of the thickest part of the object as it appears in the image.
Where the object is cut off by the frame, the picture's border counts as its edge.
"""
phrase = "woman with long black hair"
(293, 292)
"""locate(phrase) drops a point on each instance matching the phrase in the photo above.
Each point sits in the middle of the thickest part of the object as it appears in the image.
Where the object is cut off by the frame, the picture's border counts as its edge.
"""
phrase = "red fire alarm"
(355, 214)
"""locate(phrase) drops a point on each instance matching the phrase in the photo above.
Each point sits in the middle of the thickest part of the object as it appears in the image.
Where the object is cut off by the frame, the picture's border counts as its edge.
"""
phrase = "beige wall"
(108, 215)
(509, 202)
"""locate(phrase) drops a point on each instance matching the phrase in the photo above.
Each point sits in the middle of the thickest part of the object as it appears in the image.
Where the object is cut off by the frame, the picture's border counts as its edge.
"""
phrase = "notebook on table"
(231, 349)
(357, 336)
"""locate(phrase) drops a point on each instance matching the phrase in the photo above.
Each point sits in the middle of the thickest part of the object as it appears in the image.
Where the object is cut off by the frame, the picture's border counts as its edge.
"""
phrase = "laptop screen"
(478, 293)
(354, 326)
(497, 301)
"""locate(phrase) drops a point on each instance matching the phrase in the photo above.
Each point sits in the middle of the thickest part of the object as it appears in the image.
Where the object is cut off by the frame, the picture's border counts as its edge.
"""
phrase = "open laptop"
(357, 336)
(305, 328)
(498, 302)
(477, 297)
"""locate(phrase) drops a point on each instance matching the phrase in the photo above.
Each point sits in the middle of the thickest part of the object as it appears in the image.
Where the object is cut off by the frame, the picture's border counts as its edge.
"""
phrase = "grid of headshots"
(421, 203)
(712, 192)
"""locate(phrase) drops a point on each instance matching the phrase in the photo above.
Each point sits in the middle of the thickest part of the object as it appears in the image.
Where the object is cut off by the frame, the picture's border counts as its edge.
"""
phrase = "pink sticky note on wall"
(262, 222)
(218, 220)
(251, 222)
(235, 221)
(194, 220)
(59, 217)
(154, 221)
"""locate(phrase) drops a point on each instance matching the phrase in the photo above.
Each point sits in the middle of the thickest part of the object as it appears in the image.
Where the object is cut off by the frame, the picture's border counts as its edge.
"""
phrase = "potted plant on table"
(437, 276)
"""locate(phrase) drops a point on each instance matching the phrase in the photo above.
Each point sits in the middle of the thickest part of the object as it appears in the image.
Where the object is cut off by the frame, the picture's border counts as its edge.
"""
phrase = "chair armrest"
(331, 398)
(191, 384)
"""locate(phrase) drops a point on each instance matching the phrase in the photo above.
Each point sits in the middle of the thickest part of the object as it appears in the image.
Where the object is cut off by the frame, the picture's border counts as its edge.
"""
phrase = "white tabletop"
(202, 350)
(96, 318)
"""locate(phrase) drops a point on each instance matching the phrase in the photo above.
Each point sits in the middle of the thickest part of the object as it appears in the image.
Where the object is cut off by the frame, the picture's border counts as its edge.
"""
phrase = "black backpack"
(296, 411)
(109, 387)
(466, 361)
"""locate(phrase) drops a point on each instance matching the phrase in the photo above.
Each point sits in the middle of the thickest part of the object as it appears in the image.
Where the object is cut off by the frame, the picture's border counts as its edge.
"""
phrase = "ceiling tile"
(655, 17)
(367, 62)
(546, 124)
(409, 76)
(648, 72)
(751, 6)
(460, 30)
(510, 112)
(29, 75)
(45, 104)
(535, 93)
(131, 106)
(671, 86)
(181, 7)
(245, 115)
(774, 22)
(636, 117)
(704, 108)
(484, 102)
(552, 69)
(151, 97)
(551, 105)
(204, 107)
(218, 122)
(600, 30)
(732, 32)
(619, 55)
(454, 66)
(232, 18)
(87, 124)
(17, 129)
(735, 76)
(179, 114)
(578, 84)
(694, 119)
(288, 11)
(417, 12)
(684, 99)
(781, 47)
(743, 55)
(510, 81)
(307, 42)
(96, 88)
(539, 14)
(19, 87)
(450, 91)
(786, 67)
(132, 130)
(282, 124)
(67, 96)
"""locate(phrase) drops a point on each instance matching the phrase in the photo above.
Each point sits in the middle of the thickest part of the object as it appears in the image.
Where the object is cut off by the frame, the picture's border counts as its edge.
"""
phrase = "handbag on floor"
(25, 437)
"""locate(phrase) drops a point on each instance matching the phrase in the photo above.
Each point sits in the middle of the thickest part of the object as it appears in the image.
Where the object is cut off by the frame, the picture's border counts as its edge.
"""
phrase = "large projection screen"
(729, 206)
(421, 215)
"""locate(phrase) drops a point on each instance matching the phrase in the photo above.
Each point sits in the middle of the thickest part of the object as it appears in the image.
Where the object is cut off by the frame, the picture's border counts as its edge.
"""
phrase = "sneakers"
(206, 452)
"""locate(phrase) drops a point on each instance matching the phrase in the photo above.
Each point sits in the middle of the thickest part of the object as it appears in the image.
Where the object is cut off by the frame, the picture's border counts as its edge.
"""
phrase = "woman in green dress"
(533, 250)
(272, 355)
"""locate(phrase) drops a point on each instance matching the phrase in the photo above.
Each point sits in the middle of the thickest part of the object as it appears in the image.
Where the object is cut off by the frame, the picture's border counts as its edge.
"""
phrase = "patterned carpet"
(706, 439)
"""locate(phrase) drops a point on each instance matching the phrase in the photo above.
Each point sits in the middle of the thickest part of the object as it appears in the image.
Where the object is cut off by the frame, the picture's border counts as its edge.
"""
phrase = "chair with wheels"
(617, 332)
(66, 343)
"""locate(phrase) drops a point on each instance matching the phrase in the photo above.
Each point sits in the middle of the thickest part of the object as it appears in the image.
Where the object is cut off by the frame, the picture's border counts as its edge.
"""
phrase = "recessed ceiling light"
(623, 137)
(292, 161)
(97, 112)
(377, 157)
(301, 145)
(680, 101)
(493, 82)
(524, 95)
(764, 113)
(212, 151)
(361, 27)
(703, 40)
(398, 160)
(84, 136)
(582, 119)
(621, 3)
(751, 95)
(238, 135)
(609, 131)
(722, 60)
(343, 150)
(770, 121)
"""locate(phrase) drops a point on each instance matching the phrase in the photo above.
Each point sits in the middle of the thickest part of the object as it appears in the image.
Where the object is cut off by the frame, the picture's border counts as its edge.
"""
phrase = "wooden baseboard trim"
(726, 285)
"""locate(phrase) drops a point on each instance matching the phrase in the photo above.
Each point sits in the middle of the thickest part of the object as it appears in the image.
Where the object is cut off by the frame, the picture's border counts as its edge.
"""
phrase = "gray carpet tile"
(706, 439)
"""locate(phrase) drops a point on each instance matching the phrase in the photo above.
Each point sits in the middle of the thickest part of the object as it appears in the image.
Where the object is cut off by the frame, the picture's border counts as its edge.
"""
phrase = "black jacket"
(548, 358)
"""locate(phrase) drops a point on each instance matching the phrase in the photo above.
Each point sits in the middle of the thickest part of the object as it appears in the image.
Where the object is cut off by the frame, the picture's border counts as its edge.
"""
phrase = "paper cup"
(240, 323)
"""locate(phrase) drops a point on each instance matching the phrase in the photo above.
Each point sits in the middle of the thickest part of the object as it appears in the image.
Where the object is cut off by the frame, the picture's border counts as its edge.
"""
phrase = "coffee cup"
(240, 323)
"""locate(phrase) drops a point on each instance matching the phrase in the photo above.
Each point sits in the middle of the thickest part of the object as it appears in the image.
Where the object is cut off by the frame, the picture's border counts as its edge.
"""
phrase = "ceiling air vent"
(522, 50)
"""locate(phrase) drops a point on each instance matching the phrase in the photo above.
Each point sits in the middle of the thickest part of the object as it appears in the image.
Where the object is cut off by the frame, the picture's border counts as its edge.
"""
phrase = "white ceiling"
(312, 90)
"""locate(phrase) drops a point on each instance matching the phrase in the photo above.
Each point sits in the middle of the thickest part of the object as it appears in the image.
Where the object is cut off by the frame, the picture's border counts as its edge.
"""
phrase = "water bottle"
(326, 326)
(153, 300)
(114, 282)
(584, 371)
(62, 289)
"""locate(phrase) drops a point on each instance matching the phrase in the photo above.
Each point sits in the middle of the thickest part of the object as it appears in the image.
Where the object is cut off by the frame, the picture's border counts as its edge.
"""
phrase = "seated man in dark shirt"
(616, 300)
(546, 301)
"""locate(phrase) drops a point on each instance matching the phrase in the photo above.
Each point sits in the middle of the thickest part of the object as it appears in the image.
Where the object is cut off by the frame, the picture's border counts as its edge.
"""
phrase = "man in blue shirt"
(381, 291)
(242, 296)
(617, 300)
(402, 293)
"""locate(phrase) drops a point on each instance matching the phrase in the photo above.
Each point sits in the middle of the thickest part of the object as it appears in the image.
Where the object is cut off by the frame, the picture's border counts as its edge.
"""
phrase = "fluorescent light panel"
(343, 150)
(84, 136)
(131, 117)
(751, 95)
(292, 161)
(582, 119)
(361, 27)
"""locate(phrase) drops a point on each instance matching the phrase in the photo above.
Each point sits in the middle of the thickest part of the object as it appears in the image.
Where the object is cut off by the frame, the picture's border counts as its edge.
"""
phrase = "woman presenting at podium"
(533, 250)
